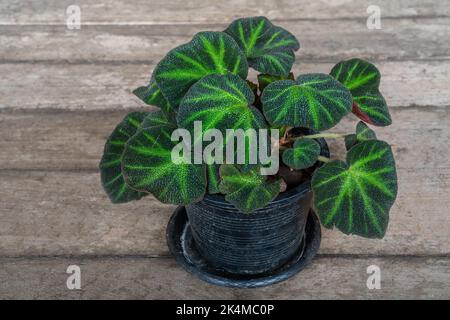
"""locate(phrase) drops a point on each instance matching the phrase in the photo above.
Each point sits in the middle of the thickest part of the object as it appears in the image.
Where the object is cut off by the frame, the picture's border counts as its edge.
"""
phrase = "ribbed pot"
(250, 243)
(255, 243)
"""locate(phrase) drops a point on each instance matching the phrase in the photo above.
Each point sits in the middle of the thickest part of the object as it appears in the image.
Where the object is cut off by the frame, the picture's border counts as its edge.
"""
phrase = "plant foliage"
(268, 48)
(205, 81)
(315, 101)
(248, 190)
(111, 162)
(302, 155)
(363, 132)
(363, 80)
(356, 195)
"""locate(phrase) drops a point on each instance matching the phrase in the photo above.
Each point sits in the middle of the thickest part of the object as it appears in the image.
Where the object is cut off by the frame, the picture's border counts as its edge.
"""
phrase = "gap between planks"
(169, 256)
(324, 278)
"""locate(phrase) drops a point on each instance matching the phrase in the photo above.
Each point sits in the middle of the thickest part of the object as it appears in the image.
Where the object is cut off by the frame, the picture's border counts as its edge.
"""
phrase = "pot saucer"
(182, 246)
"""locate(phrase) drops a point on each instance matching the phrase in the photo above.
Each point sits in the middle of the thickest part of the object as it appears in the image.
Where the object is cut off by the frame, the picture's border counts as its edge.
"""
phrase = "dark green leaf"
(350, 141)
(265, 79)
(316, 101)
(153, 96)
(371, 107)
(220, 102)
(148, 166)
(268, 48)
(356, 195)
(247, 190)
(110, 164)
(302, 155)
(363, 79)
(207, 53)
(212, 173)
(157, 119)
(363, 133)
(253, 86)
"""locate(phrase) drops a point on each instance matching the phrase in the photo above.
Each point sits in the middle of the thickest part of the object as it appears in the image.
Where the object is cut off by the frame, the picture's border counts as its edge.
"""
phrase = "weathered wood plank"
(88, 223)
(100, 86)
(216, 11)
(58, 140)
(161, 278)
(53, 213)
(326, 40)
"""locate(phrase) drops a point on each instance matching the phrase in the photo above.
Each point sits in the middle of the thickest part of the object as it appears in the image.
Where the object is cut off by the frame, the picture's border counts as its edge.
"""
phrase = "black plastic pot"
(256, 243)
(250, 243)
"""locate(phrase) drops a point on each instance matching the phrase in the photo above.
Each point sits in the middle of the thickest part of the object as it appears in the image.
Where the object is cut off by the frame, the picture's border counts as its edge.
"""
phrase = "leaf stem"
(324, 159)
(286, 130)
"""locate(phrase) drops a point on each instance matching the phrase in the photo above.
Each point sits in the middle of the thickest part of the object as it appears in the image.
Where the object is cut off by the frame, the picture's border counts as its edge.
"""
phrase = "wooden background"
(62, 92)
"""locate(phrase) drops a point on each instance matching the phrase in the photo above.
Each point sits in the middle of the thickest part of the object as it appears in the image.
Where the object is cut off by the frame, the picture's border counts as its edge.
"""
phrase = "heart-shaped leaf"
(316, 101)
(265, 79)
(156, 119)
(247, 190)
(268, 48)
(356, 195)
(363, 79)
(110, 165)
(371, 107)
(207, 53)
(220, 102)
(363, 133)
(302, 155)
(148, 166)
(151, 95)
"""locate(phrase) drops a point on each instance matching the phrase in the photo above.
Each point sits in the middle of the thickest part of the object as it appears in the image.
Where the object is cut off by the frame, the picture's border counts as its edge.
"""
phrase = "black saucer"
(181, 245)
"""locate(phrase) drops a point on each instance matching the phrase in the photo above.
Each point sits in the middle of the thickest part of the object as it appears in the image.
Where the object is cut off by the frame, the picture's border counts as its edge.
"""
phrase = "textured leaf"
(207, 53)
(213, 175)
(350, 141)
(371, 107)
(253, 87)
(268, 48)
(111, 162)
(356, 195)
(363, 133)
(363, 79)
(265, 79)
(153, 96)
(302, 155)
(148, 166)
(157, 119)
(220, 102)
(316, 101)
(247, 190)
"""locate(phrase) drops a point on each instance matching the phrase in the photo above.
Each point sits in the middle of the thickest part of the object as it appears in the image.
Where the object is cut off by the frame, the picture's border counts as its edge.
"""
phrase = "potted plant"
(240, 222)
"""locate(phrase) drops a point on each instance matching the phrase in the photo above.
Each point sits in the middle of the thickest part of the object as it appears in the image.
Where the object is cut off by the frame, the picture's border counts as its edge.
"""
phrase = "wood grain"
(62, 92)
(104, 87)
(60, 213)
(54, 212)
(162, 278)
(214, 11)
(321, 40)
(61, 140)
(57, 202)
